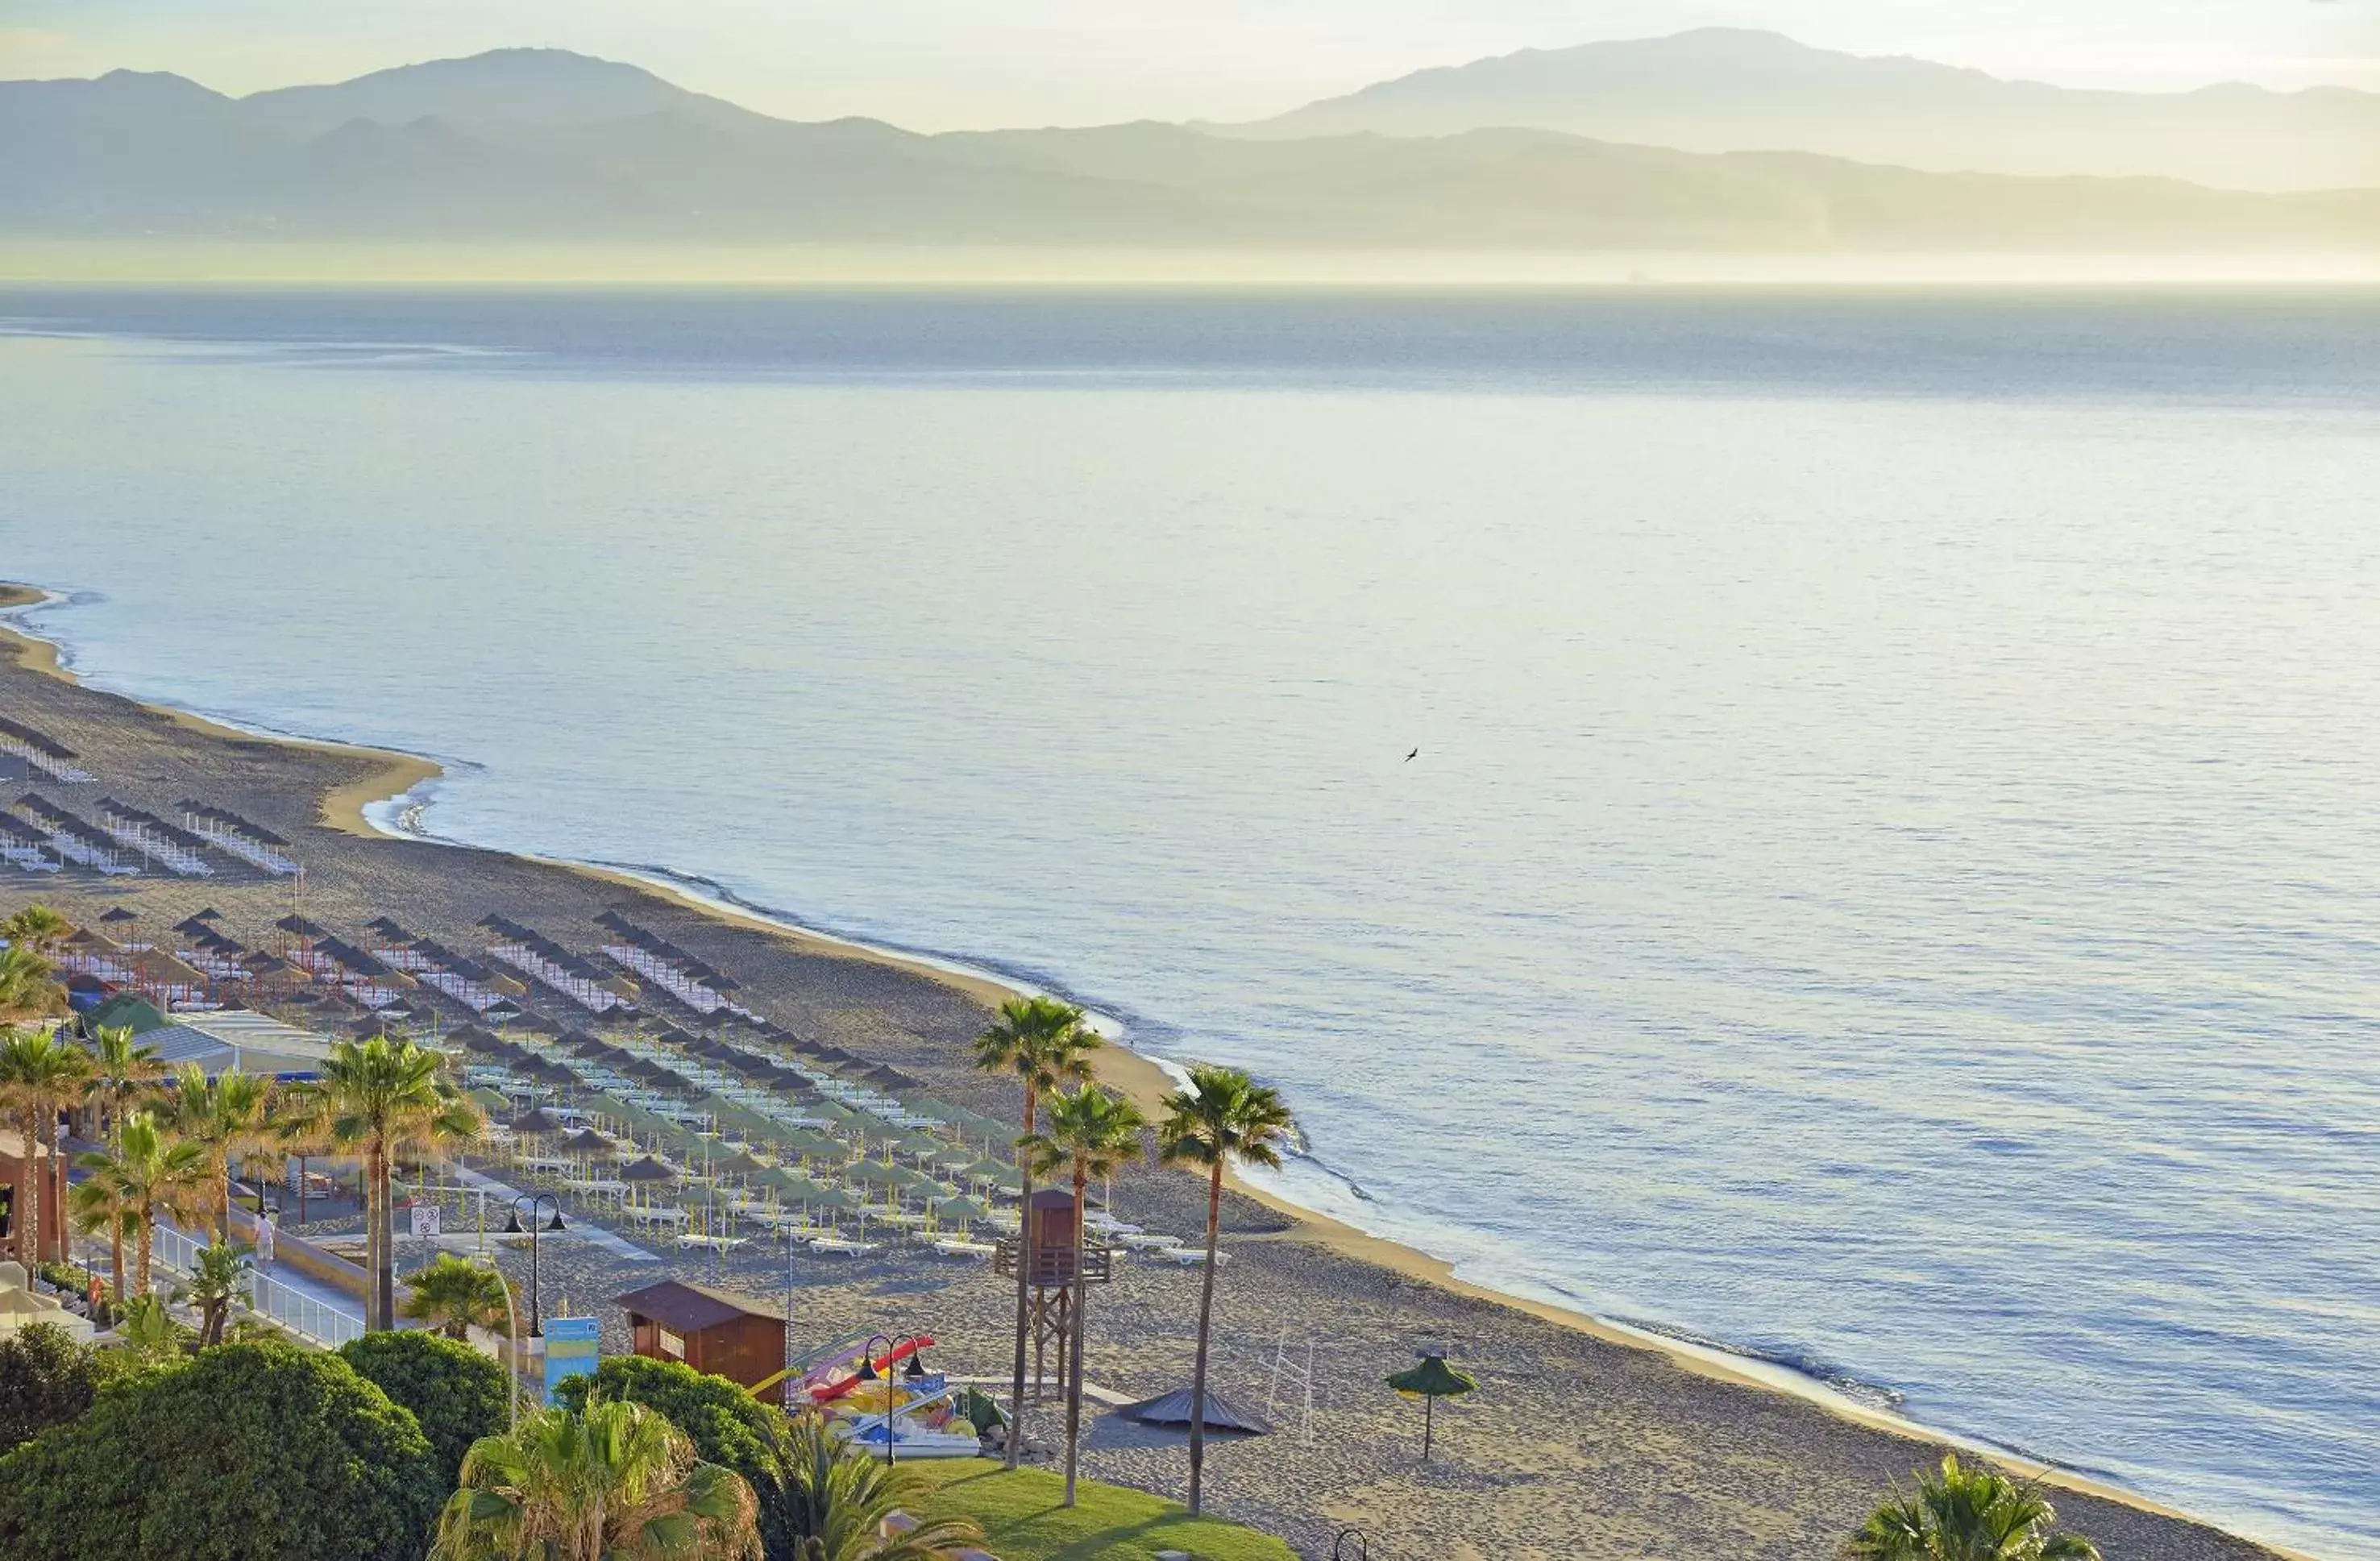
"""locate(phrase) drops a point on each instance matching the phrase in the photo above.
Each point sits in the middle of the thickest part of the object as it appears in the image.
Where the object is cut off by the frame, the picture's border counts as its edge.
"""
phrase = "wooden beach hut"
(731, 1335)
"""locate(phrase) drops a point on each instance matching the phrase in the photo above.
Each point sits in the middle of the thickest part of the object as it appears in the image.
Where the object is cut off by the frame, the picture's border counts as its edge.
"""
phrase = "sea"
(1842, 826)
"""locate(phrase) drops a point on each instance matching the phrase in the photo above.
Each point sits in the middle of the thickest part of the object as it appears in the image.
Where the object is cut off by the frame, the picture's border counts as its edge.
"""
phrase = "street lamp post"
(514, 1226)
(867, 1373)
(512, 1315)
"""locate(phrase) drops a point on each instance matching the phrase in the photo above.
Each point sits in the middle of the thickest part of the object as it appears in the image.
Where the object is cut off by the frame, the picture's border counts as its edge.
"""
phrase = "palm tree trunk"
(30, 1188)
(385, 1275)
(58, 1171)
(115, 1257)
(1024, 1262)
(1074, 1349)
(148, 1240)
(25, 1185)
(1206, 1321)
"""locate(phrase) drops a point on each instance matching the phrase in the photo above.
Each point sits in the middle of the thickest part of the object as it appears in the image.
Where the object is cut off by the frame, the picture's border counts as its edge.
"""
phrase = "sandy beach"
(1584, 1441)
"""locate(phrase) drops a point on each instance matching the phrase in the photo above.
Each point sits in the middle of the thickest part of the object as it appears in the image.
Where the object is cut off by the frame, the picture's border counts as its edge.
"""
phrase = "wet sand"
(1582, 1442)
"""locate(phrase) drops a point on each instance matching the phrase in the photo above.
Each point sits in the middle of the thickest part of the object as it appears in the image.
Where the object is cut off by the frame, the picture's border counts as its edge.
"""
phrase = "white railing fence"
(308, 1316)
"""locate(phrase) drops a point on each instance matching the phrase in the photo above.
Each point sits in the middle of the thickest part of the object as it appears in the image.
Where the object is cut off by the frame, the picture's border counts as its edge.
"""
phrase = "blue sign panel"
(572, 1348)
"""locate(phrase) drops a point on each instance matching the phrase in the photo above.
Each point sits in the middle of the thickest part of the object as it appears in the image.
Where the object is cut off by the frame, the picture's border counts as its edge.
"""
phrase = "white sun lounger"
(1191, 1257)
(844, 1246)
(954, 1246)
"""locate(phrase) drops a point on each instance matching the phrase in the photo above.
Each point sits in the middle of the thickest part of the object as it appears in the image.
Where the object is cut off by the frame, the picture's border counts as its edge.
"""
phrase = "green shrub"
(727, 1425)
(246, 1452)
(456, 1393)
(65, 1275)
(45, 1378)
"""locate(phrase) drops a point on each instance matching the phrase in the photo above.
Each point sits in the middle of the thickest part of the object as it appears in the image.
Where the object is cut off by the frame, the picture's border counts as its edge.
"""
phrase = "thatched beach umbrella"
(532, 1122)
(1431, 1381)
(647, 1170)
(965, 1212)
(587, 1141)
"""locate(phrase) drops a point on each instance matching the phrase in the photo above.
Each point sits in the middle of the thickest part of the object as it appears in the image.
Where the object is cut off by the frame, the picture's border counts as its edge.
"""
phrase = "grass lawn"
(1022, 1521)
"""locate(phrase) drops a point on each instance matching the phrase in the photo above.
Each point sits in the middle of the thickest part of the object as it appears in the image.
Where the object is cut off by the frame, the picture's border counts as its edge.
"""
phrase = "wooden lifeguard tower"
(1046, 1243)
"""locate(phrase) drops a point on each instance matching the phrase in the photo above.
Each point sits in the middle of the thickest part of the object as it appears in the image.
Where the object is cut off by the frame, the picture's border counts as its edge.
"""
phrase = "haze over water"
(1890, 877)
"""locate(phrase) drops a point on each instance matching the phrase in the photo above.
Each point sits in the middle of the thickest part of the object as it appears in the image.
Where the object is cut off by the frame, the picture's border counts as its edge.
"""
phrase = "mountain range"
(1727, 89)
(552, 146)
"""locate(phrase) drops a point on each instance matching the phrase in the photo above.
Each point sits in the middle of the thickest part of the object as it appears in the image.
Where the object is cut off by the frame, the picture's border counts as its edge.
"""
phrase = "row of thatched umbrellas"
(942, 1201)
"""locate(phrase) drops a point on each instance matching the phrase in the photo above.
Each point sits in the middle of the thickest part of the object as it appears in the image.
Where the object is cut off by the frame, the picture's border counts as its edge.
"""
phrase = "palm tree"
(1097, 1135)
(122, 1070)
(454, 1293)
(834, 1498)
(1222, 1117)
(1966, 1515)
(39, 1074)
(29, 986)
(1045, 1044)
(148, 1333)
(36, 929)
(379, 1098)
(615, 1483)
(147, 1175)
(218, 1277)
(229, 1114)
(93, 1205)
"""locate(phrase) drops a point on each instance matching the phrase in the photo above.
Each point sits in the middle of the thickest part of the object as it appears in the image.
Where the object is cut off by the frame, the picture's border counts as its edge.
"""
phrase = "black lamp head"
(513, 1226)
(916, 1367)
(556, 1222)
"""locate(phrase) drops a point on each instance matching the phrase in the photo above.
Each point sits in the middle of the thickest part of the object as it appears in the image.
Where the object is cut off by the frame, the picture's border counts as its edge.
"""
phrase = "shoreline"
(1140, 1076)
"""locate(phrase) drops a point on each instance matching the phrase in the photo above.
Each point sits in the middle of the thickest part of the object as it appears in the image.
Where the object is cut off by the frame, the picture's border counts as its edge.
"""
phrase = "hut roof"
(689, 1308)
(128, 1010)
(535, 1122)
(1174, 1409)
(587, 1141)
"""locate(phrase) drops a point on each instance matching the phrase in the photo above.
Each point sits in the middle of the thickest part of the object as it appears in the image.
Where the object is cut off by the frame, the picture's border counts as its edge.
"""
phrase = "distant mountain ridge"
(549, 146)
(1730, 90)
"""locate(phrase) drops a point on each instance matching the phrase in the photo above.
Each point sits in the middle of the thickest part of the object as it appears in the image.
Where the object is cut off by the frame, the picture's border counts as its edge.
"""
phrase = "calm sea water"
(1889, 881)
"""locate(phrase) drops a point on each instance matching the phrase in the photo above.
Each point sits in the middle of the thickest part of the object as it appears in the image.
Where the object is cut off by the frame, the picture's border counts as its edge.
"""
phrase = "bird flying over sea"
(1415, 754)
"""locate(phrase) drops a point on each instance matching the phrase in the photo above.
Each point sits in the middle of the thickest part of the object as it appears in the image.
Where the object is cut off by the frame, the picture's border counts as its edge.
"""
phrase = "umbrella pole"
(1429, 1403)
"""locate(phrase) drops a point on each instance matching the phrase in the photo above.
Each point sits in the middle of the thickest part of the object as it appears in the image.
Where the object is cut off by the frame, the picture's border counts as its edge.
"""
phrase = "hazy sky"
(937, 64)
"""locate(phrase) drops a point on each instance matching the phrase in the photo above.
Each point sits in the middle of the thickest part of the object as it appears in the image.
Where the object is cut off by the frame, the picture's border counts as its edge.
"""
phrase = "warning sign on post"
(425, 1219)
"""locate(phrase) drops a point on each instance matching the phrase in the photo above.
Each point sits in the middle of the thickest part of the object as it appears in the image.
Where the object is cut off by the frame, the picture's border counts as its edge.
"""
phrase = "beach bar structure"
(715, 1331)
(53, 758)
